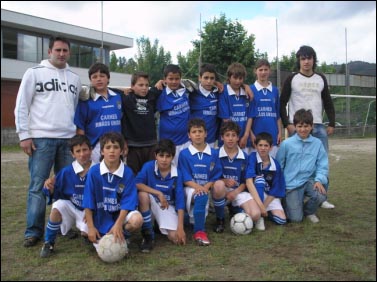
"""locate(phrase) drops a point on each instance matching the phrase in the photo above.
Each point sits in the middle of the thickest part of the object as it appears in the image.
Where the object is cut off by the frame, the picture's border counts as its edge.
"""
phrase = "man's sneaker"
(201, 238)
(47, 250)
(327, 205)
(30, 242)
(148, 242)
(220, 226)
(313, 218)
(259, 225)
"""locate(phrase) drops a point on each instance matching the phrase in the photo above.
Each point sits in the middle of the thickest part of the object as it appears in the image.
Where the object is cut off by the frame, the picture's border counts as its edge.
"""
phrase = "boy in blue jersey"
(304, 161)
(264, 110)
(67, 189)
(173, 105)
(110, 195)
(264, 175)
(138, 121)
(234, 103)
(101, 114)
(200, 166)
(231, 187)
(203, 102)
(161, 191)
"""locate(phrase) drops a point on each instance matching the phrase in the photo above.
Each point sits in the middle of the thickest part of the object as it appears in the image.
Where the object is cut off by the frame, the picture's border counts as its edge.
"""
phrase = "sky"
(325, 25)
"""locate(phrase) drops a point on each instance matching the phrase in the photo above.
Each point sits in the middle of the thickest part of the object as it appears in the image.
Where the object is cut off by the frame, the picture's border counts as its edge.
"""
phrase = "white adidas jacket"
(46, 102)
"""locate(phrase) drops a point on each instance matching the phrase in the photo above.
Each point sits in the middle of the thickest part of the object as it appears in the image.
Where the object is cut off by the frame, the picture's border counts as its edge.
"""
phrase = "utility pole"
(348, 102)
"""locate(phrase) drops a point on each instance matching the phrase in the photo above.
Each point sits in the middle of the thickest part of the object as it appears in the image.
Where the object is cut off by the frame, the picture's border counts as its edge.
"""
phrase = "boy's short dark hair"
(303, 116)
(102, 68)
(112, 137)
(79, 139)
(236, 70)
(306, 52)
(165, 146)
(53, 39)
(208, 68)
(137, 75)
(230, 125)
(264, 136)
(172, 69)
(196, 122)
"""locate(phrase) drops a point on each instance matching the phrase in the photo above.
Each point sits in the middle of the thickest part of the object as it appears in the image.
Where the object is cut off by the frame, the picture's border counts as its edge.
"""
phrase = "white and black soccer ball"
(109, 250)
(241, 224)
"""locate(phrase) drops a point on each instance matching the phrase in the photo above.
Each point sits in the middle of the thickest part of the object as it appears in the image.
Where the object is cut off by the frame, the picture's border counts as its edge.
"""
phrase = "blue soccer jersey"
(174, 115)
(234, 168)
(234, 107)
(69, 185)
(171, 185)
(273, 176)
(203, 104)
(107, 193)
(265, 110)
(200, 167)
(99, 116)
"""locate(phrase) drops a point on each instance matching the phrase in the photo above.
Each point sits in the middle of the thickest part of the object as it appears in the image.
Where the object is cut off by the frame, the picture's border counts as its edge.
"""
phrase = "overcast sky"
(176, 24)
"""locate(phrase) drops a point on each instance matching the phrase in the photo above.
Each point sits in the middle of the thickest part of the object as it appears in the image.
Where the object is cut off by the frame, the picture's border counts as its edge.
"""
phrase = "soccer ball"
(109, 250)
(241, 224)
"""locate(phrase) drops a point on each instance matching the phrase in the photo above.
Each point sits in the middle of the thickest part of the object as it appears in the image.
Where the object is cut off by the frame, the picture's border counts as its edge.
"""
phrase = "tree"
(151, 59)
(113, 62)
(223, 43)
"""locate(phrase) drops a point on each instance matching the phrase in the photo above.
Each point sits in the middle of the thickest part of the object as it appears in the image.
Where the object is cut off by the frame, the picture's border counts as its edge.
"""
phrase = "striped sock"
(219, 205)
(52, 230)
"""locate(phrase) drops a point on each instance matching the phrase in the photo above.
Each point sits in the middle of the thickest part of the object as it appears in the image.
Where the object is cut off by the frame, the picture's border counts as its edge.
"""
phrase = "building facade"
(24, 44)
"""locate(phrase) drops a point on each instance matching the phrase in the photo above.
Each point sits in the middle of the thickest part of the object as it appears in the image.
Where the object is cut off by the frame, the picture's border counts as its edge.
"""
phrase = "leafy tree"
(151, 59)
(113, 62)
(223, 42)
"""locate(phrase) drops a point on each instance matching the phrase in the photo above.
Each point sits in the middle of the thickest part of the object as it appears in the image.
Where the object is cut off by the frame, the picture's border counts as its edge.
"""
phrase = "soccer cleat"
(148, 242)
(47, 250)
(259, 225)
(72, 234)
(30, 242)
(327, 205)
(313, 218)
(201, 238)
(220, 225)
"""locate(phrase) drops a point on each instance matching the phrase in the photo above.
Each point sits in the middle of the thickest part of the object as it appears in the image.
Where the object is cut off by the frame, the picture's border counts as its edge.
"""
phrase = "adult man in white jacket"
(45, 107)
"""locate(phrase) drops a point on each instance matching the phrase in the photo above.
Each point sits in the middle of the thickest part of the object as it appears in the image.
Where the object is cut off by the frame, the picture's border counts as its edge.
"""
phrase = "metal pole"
(101, 56)
(277, 58)
(200, 44)
(348, 102)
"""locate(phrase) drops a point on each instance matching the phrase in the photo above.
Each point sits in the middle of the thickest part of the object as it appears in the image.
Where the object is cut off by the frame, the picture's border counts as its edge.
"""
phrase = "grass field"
(342, 246)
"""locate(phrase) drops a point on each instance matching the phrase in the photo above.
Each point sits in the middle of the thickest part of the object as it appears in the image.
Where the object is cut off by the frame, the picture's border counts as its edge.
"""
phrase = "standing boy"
(234, 103)
(139, 122)
(45, 107)
(110, 195)
(305, 164)
(231, 188)
(264, 109)
(173, 105)
(308, 89)
(265, 176)
(200, 166)
(203, 102)
(161, 191)
(67, 190)
(102, 113)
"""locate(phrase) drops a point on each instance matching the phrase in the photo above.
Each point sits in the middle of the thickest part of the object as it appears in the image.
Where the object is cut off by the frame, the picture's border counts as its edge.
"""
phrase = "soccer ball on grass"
(241, 224)
(109, 250)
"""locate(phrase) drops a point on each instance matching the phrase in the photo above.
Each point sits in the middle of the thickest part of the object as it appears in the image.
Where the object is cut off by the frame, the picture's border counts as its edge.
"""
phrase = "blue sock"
(219, 205)
(52, 230)
(200, 203)
(276, 219)
(147, 224)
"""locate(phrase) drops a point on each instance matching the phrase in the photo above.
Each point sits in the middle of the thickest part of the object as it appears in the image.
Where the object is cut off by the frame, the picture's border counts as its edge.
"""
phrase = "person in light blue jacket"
(304, 162)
